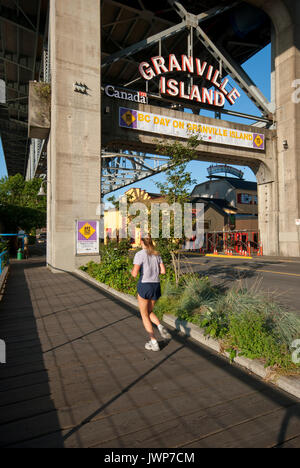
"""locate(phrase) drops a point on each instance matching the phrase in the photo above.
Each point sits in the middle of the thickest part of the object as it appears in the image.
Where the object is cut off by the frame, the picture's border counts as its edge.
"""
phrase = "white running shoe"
(164, 332)
(152, 346)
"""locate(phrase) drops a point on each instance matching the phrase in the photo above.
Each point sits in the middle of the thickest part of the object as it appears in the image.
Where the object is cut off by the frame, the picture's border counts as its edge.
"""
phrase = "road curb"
(290, 385)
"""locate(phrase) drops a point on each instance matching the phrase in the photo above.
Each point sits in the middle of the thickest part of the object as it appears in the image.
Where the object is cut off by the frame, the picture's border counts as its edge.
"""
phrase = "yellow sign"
(258, 141)
(128, 118)
(87, 231)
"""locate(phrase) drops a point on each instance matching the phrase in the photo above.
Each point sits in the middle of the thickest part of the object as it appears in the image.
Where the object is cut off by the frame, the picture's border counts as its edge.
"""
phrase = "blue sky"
(259, 69)
(3, 170)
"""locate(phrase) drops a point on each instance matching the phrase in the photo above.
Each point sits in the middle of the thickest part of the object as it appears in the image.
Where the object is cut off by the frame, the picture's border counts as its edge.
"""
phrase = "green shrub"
(3, 246)
(250, 333)
(115, 272)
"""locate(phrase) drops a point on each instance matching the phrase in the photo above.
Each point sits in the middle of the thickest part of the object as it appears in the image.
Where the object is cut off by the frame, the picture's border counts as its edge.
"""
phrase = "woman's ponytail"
(148, 242)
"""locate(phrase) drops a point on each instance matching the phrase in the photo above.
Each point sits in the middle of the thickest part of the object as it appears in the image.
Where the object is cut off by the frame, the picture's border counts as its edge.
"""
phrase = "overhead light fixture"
(42, 192)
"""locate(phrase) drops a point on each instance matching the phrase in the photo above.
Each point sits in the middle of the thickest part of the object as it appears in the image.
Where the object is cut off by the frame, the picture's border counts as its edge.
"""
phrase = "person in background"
(21, 234)
(26, 247)
(149, 264)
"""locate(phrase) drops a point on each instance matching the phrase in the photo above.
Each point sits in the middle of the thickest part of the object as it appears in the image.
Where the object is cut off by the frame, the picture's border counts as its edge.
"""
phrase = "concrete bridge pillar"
(285, 15)
(75, 140)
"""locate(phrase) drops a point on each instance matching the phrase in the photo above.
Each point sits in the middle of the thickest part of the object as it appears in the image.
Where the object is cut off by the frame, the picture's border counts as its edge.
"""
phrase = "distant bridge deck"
(78, 376)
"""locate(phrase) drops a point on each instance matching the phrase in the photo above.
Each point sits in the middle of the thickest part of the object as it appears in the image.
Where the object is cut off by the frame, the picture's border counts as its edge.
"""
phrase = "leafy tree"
(178, 182)
(176, 189)
(20, 205)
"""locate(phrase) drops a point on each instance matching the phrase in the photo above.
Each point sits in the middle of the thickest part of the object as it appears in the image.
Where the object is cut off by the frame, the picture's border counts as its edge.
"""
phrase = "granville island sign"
(192, 66)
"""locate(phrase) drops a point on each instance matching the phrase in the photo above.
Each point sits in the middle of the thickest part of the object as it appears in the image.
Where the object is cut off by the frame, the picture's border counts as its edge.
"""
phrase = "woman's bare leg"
(154, 319)
(144, 310)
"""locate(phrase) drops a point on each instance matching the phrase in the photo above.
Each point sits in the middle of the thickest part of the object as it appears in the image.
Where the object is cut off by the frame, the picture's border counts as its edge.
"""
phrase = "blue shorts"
(149, 291)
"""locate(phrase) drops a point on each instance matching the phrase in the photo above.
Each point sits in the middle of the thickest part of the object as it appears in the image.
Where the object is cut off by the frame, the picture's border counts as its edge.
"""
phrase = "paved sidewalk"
(78, 376)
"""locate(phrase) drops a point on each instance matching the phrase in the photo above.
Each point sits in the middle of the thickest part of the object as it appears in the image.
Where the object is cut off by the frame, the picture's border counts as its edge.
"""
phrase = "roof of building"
(235, 182)
(223, 206)
(240, 183)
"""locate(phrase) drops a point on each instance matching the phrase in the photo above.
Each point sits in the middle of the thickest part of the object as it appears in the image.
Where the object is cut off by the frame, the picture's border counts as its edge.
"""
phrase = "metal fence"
(4, 260)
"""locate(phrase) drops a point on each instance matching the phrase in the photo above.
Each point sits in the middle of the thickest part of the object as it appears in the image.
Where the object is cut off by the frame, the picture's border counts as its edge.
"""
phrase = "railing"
(20, 236)
(4, 260)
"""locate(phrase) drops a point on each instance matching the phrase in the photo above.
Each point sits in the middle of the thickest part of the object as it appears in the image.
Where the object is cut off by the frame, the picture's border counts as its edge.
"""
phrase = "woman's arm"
(135, 270)
(162, 269)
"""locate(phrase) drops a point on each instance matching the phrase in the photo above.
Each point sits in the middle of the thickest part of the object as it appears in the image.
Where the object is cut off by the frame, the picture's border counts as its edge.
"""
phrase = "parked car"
(42, 239)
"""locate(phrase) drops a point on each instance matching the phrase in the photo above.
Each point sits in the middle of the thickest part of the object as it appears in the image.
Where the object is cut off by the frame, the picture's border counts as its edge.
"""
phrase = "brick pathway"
(78, 376)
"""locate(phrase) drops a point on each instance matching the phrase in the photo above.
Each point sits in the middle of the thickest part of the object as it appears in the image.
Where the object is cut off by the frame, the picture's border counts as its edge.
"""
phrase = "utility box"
(39, 110)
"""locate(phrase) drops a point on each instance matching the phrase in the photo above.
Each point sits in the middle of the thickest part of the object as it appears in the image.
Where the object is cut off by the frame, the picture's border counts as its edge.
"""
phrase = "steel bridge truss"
(122, 169)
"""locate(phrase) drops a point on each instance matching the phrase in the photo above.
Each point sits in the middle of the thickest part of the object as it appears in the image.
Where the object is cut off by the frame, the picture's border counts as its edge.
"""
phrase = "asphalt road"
(277, 277)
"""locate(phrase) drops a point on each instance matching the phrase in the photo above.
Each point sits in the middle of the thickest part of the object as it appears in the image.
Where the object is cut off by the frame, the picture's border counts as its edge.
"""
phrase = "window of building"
(247, 199)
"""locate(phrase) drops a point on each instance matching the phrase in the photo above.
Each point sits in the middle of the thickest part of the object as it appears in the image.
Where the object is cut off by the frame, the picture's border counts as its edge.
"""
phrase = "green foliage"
(3, 246)
(164, 247)
(250, 333)
(176, 189)
(43, 90)
(115, 267)
(115, 272)
(20, 205)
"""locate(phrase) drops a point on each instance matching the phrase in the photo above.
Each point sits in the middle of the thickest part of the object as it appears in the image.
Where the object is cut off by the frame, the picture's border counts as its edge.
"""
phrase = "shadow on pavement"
(26, 409)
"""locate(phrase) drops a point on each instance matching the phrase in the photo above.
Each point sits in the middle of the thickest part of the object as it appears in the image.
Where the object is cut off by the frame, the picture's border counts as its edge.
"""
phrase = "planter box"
(39, 120)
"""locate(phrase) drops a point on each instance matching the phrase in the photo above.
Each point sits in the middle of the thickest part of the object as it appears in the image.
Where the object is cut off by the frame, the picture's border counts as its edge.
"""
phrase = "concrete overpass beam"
(75, 139)
(285, 15)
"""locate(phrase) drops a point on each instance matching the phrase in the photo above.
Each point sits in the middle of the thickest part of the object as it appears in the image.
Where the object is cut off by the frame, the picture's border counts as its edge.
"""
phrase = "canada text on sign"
(162, 125)
(193, 66)
(127, 95)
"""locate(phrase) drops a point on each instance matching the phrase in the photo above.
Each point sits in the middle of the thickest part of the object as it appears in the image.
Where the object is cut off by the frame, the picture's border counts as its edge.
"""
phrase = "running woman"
(149, 264)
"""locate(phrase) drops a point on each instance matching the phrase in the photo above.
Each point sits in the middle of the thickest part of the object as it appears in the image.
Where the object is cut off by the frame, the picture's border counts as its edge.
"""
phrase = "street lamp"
(42, 192)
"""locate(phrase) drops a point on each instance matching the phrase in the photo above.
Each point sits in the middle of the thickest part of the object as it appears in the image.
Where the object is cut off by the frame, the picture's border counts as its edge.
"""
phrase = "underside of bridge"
(81, 46)
(238, 29)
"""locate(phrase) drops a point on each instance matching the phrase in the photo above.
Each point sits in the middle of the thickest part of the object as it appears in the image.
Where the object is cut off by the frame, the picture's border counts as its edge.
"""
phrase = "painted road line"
(247, 269)
(231, 257)
(270, 271)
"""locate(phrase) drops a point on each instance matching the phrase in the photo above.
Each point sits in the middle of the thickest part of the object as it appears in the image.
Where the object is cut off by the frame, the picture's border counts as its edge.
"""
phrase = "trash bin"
(20, 254)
